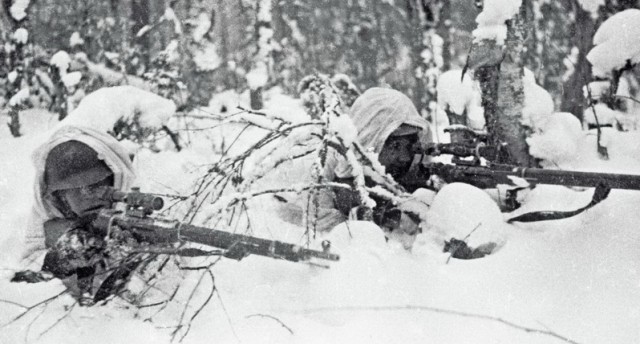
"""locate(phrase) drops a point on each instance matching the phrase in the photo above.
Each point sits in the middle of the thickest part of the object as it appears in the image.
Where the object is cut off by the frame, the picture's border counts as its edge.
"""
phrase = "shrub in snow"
(558, 140)
(347, 89)
(460, 97)
(19, 98)
(75, 39)
(592, 6)
(126, 112)
(538, 103)
(617, 42)
(61, 60)
(18, 9)
(72, 79)
(21, 36)
(466, 213)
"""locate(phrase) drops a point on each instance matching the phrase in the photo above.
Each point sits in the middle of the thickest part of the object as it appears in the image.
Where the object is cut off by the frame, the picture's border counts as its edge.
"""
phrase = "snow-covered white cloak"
(377, 113)
(109, 150)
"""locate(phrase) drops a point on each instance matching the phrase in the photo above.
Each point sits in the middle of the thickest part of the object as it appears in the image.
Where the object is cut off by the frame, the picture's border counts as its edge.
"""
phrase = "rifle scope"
(134, 198)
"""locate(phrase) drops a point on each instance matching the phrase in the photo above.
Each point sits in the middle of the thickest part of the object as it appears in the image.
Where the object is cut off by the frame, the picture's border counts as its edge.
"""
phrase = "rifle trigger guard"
(112, 218)
(477, 149)
(179, 237)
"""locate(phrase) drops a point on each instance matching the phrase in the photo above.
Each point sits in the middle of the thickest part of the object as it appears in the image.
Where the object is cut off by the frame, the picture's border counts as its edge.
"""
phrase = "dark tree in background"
(404, 44)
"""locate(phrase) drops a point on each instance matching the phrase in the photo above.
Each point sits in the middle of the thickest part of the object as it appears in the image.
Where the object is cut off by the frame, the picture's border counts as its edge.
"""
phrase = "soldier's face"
(86, 200)
(397, 154)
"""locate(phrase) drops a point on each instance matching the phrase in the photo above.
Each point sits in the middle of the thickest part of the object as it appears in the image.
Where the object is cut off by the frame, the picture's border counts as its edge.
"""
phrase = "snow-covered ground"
(576, 279)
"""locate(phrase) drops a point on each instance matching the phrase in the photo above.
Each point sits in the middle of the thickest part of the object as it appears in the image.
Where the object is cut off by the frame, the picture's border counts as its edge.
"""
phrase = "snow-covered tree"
(498, 61)
(17, 56)
(262, 63)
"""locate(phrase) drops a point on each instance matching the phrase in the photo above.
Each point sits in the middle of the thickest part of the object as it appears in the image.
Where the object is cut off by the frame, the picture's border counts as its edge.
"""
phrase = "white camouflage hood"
(378, 112)
(108, 149)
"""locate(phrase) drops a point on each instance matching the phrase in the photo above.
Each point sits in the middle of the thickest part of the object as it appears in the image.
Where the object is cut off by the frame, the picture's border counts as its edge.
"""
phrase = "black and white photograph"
(326, 171)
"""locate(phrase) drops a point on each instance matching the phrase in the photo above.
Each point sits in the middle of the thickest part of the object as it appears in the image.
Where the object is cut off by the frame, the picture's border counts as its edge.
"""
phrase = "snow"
(538, 104)
(61, 60)
(491, 21)
(264, 12)
(558, 139)
(110, 76)
(12, 76)
(458, 209)
(596, 89)
(104, 107)
(170, 15)
(71, 79)
(18, 9)
(577, 277)
(207, 58)
(258, 76)
(591, 6)
(143, 30)
(203, 24)
(620, 34)
(75, 39)
(111, 56)
(20, 97)
(344, 128)
(459, 96)
(21, 36)
(604, 115)
(454, 92)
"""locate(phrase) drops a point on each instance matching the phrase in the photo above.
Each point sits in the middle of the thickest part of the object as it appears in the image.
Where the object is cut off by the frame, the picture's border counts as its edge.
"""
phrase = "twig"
(13, 303)
(165, 303)
(601, 149)
(186, 306)
(204, 304)
(224, 309)
(443, 311)
(30, 308)
(66, 314)
(464, 240)
(273, 318)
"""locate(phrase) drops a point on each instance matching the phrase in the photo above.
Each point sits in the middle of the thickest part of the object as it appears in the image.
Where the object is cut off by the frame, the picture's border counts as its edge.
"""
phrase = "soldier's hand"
(55, 228)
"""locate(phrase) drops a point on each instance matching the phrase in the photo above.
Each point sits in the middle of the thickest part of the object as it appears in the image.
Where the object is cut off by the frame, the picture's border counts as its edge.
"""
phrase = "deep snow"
(577, 277)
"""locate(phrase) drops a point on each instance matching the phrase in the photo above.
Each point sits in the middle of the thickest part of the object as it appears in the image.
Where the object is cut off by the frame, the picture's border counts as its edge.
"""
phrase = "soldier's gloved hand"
(55, 228)
(402, 222)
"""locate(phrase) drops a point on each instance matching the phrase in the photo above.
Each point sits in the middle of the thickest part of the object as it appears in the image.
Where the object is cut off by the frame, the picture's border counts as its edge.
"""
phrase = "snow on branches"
(617, 43)
(491, 21)
(324, 140)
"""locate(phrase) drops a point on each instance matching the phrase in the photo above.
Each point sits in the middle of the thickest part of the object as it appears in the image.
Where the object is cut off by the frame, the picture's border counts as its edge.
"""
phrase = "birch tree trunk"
(503, 96)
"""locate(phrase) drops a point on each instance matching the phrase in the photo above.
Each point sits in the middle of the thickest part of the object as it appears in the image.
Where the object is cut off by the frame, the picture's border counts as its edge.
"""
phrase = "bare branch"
(442, 311)
(271, 317)
(30, 308)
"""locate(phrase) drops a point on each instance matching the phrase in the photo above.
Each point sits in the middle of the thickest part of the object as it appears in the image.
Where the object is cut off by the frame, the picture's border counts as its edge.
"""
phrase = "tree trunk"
(503, 97)
(14, 121)
(140, 16)
(573, 100)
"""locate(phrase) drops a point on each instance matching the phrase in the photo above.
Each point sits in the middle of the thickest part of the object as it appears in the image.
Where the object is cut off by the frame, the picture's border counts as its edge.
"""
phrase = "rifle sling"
(601, 192)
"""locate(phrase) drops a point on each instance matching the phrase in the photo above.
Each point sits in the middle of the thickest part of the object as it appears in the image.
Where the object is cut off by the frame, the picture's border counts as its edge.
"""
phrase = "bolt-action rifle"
(481, 170)
(139, 220)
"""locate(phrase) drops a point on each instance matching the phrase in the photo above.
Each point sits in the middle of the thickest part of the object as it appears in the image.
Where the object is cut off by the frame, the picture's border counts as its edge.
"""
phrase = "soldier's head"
(390, 125)
(399, 149)
(73, 177)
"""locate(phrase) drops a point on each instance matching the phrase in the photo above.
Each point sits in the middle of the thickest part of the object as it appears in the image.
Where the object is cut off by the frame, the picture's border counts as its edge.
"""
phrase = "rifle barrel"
(490, 176)
(573, 178)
